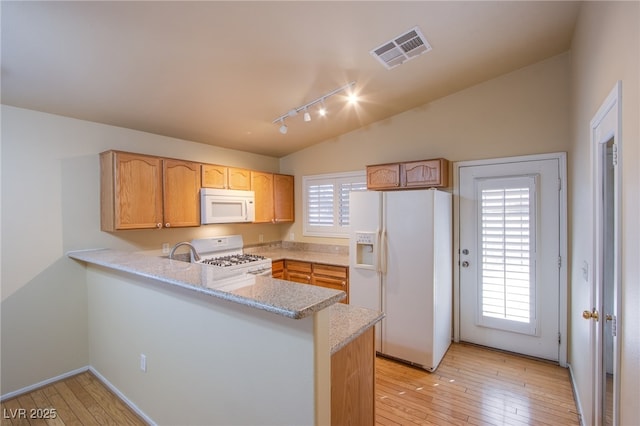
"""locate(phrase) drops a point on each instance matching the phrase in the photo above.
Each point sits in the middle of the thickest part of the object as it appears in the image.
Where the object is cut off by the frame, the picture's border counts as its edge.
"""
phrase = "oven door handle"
(261, 272)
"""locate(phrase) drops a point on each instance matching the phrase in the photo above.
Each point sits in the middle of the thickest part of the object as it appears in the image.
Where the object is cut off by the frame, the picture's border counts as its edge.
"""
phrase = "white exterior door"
(510, 255)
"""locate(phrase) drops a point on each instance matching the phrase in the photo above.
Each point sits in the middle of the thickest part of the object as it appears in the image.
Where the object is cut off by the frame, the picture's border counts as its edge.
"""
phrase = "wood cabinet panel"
(299, 272)
(277, 269)
(328, 276)
(331, 276)
(141, 191)
(262, 185)
(284, 208)
(181, 193)
(383, 176)
(427, 173)
(432, 173)
(130, 191)
(353, 382)
(274, 197)
(239, 178)
(214, 176)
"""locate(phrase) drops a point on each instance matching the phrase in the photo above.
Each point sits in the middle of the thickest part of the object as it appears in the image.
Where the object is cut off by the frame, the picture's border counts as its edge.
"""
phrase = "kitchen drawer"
(297, 266)
(330, 270)
(299, 272)
(332, 283)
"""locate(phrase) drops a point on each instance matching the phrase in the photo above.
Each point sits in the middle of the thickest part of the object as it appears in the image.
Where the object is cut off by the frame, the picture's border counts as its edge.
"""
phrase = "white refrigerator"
(401, 263)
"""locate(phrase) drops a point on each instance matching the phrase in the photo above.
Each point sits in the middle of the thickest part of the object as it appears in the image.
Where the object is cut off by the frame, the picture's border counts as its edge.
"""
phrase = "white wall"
(209, 361)
(524, 112)
(50, 205)
(605, 49)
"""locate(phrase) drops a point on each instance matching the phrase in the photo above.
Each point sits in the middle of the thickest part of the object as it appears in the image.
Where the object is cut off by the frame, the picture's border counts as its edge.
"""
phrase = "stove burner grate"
(234, 259)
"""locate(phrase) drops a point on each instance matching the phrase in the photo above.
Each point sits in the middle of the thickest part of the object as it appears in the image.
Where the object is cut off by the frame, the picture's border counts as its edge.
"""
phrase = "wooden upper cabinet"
(427, 173)
(181, 193)
(141, 191)
(284, 207)
(214, 176)
(262, 185)
(274, 197)
(383, 176)
(410, 174)
(130, 191)
(239, 178)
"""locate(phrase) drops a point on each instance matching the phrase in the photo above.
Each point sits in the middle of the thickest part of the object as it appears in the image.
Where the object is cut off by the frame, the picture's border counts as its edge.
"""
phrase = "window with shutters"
(326, 202)
(507, 247)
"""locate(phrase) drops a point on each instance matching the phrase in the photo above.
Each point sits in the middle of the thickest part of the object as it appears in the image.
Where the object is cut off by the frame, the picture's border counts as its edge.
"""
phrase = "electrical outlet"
(261, 238)
(165, 248)
(292, 236)
(143, 363)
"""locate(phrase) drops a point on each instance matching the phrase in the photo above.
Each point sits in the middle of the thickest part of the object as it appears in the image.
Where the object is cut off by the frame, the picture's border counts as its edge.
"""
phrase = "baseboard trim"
(122, 396)
(575, 395)
(43, 383)
(93, 371)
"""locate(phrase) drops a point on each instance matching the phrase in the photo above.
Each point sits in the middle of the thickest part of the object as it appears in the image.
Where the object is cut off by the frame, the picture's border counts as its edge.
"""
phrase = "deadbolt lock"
(593, 314)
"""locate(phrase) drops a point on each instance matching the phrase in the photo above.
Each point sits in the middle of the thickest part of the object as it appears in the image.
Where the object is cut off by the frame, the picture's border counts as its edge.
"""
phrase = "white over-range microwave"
(226, 206)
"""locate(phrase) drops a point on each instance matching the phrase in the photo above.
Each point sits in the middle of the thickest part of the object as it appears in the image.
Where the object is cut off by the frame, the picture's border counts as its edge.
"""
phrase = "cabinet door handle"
(158, 225)
(167, 225)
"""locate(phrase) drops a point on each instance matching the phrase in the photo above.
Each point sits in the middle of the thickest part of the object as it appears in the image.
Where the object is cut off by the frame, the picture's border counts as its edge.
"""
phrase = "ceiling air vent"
(402, 48)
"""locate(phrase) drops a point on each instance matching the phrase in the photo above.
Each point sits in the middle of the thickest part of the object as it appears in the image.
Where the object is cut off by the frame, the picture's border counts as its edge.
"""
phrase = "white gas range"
(226, 257)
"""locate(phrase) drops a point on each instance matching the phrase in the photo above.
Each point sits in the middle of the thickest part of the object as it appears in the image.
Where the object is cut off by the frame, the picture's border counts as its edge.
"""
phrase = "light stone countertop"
(281, 297)
(274, 254)
(348, 322)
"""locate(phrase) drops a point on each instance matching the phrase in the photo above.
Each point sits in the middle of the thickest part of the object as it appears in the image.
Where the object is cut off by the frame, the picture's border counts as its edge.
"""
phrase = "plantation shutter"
(326, 203)
(507, 270)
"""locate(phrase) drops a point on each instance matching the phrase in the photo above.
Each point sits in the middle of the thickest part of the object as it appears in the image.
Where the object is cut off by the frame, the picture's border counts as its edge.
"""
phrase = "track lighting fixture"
(283, 127)
(322, 111)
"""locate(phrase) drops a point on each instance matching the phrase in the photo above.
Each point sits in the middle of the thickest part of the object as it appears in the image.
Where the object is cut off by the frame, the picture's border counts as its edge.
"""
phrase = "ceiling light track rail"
(319, 100)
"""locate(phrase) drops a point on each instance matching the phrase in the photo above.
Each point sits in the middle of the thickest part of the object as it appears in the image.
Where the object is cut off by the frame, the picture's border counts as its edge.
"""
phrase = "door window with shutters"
(507, 253)
(512, 239)
(326, 202)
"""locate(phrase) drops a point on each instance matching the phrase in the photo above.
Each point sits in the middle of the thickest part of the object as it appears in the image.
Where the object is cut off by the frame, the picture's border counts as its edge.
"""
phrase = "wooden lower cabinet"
(353, 382)
(299, 272)
(277, 269)
(329, 276)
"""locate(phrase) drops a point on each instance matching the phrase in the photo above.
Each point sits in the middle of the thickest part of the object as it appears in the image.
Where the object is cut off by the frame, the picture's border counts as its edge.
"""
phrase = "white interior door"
(510, 255)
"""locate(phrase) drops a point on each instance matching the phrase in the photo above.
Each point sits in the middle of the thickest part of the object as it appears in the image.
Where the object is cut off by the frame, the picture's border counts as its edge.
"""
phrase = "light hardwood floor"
(472, 386)
(78, 400)
(475, 386)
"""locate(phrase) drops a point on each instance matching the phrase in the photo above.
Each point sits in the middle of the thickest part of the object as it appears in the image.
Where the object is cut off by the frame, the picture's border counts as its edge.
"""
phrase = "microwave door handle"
(246, 209)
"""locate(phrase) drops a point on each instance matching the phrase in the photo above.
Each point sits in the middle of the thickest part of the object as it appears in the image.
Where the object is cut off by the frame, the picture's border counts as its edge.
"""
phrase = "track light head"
(283, 128)
(307, 116)
(323, 109)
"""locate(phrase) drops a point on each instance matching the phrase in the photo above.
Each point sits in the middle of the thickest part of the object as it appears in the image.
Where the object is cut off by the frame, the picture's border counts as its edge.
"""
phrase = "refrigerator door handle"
(382, 252)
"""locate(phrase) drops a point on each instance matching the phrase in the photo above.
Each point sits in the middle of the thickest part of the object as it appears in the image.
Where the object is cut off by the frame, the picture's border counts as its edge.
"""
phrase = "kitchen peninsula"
(187, 349)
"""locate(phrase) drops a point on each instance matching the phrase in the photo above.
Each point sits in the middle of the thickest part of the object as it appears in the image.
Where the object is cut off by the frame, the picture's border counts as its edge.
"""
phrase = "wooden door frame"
(563, 298)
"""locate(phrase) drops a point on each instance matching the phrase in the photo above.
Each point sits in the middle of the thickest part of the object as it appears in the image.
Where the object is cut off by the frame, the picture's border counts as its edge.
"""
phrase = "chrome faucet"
(195, 256)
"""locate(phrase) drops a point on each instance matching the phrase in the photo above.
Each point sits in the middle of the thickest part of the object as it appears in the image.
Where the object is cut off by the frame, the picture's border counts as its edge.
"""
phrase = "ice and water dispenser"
(366, 249)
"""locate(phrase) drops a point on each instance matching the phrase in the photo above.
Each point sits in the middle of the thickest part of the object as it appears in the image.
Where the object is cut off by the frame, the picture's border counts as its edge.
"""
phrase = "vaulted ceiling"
(221, 72)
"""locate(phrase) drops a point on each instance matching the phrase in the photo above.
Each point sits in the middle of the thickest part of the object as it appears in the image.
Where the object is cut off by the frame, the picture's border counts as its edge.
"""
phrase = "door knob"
(593, 314)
